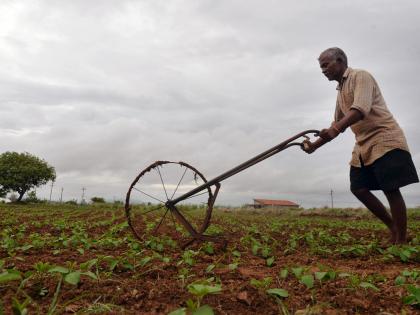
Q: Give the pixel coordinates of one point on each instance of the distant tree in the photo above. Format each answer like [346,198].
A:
[21,172]
[97,200]
[31,197]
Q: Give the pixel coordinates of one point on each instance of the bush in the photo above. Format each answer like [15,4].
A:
[31,197]
[97,200]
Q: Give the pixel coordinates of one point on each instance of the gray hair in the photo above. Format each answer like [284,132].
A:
[337,54]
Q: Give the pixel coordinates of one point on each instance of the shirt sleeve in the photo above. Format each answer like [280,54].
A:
[338,115]
[363,92]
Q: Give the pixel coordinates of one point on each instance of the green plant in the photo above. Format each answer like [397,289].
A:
[413,298]
[404,253]
[307,280]
[70,275]
[281,293]
[270,261]
[188,257]
[20,308]
[284,273]
[262,284]
[200,289]
[208,248]
[183,275]
[10,275]
[323,276]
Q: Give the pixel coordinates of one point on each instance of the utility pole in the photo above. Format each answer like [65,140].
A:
[52,185]
[332,199]
[83,196]
[61,195]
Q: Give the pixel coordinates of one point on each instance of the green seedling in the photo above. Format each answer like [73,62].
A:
[20,308]
[322,276]
[42,267]
[368,285]
[10,275]
[210,268]
[307,280]
[200,290]
[413,274]
[70,276]
[297,272]
[183,275]
[262,284]
[233,266]
[284,273]
[202,310]
[281,293]
[404,253]
[188,257]
[208,248]
[414,296]
[400,280]
[236,253]
[270,261]
[352,251]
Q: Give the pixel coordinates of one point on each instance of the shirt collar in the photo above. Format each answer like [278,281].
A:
[345,75]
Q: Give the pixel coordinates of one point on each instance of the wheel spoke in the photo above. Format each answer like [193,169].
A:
[163,181]
[163,184]
[161,220]
[179,183]
[148,195]
[173,220]
[160,207]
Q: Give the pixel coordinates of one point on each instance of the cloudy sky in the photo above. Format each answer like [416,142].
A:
[101,89]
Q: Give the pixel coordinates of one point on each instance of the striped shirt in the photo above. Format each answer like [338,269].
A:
[378,132]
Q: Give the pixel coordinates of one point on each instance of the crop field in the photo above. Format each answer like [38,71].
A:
[68,259]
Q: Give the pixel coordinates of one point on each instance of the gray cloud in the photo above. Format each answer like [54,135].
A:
[101,89]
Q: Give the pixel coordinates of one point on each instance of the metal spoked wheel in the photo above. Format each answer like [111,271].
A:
[147,199]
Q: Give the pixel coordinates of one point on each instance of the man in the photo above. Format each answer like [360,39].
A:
[380,158]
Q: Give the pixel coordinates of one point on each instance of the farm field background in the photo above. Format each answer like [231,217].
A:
[68,259]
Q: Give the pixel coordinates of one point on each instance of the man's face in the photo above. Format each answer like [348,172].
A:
[331,68]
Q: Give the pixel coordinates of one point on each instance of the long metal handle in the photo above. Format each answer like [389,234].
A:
[260,157]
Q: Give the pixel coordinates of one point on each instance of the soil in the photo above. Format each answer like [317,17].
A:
[156,287]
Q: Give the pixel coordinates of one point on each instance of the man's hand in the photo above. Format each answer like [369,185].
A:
[308,146]
[329,133]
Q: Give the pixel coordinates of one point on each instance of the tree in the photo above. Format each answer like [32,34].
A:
[21,172]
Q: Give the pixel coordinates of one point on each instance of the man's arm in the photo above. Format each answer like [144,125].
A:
[326,135]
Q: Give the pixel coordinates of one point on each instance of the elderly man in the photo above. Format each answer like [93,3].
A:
[380,158]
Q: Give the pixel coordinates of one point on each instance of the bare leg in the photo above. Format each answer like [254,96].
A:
[399,214]
[377,208]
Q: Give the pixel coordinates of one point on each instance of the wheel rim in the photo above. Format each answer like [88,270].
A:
[162,181]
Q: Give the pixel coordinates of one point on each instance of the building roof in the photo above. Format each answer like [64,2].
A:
[268,202]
